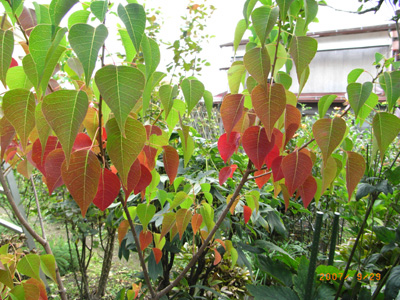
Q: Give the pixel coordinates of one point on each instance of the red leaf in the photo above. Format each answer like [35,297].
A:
[122,230]
[278,137]
[231,111]
[171,162]
[274,153]
[82,141]
[355,168]
[39,285]
[14,63]
[296,167]
[133,178]
[82,177]
[144,181]
[39,157]
[307,190]
[197,219]
[109,186]
[52,166]
[145,238]
[225,173]
[260,181]
[269,104]
[157,254]
[257,145]
[152,129]
[150,153]
[292,121]
[246,213]
[277,169]
[227,147]
[7,133]
[217,258]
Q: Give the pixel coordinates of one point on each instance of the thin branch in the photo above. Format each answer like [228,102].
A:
[258,176]
[38,208]
[276,50]
[372,9]
[209,237]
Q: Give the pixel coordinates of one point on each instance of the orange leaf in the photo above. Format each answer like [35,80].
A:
[197,219]
[217,258]
[355,168]
[292,121]
[108,190]
[260,181]
[171,162]
[296,167]
[246,213]
[52,168]
[32,291]
[122,230]
[221,242]
[82,177]
[269,104]
[145,239]
[7,133]
[39,284]
[133,178]
[307,190]
[231,111]
[157,254]
[183,217]
[257,145]
[167,223]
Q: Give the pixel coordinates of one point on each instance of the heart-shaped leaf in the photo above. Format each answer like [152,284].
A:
[225,173]
[167,94]
[197,220]
[99,9]
[183,217]
[65,111]
[82,177]
[6,50]
[247,211]
[257,63]
[358,94]
[121,88]
[386,128]
[145,212]
[171,162]
[7,133]
[355,168]
[144,181]
[269,104]
[193,91]
[307,190]
[86,42]
[264,19]
[19,109]
[59,8]
[303,50]
[108,189]
[133,178]
[227,148]
[29,265]
[157,254]
[296,168]
[392,88]
[231,111]
[123,151]
[134,18]
[52,166]
[48,265]
[263,179]
[168,222]
[257,145]
[284,7]
[329,134]
[145,238]
[292,121]
[324,103]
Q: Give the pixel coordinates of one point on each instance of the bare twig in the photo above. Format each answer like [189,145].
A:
[38,208]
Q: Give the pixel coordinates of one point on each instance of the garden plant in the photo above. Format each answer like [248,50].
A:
[204,219]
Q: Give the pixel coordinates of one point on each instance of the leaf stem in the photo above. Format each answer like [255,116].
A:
[38,208]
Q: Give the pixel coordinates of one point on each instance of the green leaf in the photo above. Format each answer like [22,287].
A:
[42,13]
[134,18]
[5,277]
[151,53]
[179,198]
[99,9]
[6,51]
[264,19]
[208,101]
[353,75]
[366,109]
[284,7]
[384,234]
[65,111]
[392,88]
[239,32]
[80,16]
[59,8]
[123,151]
[86,41]
[48,265]
[257,63]
[207,212]
[193,91]
[358,94]
[393,284]
[276,269]
[248,8]
[29,265]
[130,51]
[187,144]
[19,109]
[386,128]
[303,50]
[31,72]
[121,87]
[178,108]
[324,103]
[151,83]
[17,79]
[262,292]
[281,57]
[235,75]
[145,213]
[311,8]
[15,5]
[167,94]
[43,128]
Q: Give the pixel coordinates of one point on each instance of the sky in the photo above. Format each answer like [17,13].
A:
[222,25]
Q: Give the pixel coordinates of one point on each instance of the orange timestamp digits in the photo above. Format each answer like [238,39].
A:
[360,276]
[370,276]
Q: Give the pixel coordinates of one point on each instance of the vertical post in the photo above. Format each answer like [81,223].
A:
[313,258]
[334,237]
